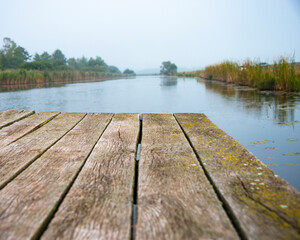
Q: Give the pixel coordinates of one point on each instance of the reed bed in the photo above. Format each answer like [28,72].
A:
[22,76]
[284,74]
[190,74]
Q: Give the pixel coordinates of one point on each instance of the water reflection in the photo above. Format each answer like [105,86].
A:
[21,87]
[166,82]
[278,106]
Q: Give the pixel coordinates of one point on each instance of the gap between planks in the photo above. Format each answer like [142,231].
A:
[20,129]
[9,155]
[9,117]
[106,182]
[23,216]
[225,204]
[136,179]
[263,205]
[173,192]
[47,221]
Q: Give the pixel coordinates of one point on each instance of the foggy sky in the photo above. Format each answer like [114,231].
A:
[140,34]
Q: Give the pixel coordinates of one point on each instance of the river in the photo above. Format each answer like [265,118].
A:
[266,123]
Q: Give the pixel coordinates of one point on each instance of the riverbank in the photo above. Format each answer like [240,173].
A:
[36,77]
[283,75]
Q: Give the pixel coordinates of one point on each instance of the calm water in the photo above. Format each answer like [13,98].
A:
[265,123]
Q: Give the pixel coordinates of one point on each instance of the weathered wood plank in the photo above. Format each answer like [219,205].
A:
[15,157]
[19,129]
[29,201]
[264,205]
[99,203]
[11,116]
[175,199]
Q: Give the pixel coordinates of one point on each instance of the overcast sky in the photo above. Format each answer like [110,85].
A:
[140,34]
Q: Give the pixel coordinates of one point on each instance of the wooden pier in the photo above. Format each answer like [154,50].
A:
[126,176]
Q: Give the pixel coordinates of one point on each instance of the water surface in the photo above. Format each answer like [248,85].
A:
[266,123]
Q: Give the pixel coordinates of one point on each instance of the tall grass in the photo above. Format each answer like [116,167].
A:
[22,76]
[190,74]
[282,75]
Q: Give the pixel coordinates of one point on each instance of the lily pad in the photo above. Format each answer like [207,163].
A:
[291,164]
[291,107]
[291,154]
[292,139]
[261,142]
[270,148]
[272,165]
[285,123]
[287,108]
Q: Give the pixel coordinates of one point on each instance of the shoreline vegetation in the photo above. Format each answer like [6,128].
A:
[17,68]
[283,75]
[32,77]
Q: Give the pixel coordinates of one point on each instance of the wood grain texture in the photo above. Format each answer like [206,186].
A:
[27,202]
[99,203]
[19,129]
[17,156]
[264,205]
[11,116]
[175,199]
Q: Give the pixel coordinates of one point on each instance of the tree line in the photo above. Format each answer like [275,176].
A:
[13,56]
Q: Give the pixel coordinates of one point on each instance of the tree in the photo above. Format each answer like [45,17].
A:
[73,63]
[58,58]
[92,62]
[82,62]
[40,62]
[168,68]
[22,54]
[99,61]
[36,57]
[37,65]
[12,55]
[96,62]
[45,57]
[128,71]
[113,69]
